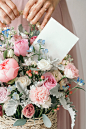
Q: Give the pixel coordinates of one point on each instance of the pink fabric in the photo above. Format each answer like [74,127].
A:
[61,14]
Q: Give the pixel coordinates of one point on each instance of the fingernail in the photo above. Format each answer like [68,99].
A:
[23,16]
[42,27]
[27,19]
[31,22]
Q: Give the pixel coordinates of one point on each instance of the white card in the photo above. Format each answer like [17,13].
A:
[58,40]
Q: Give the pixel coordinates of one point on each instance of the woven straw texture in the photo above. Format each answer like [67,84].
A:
[7,123]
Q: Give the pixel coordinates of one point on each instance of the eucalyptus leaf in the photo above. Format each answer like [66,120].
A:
[46,121]
[68,107]
[54,91]
[11,107]
[22,89]
[21,29]
[11,82]
[20,122]
[35,69]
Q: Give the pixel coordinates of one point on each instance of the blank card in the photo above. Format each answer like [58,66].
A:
[58,40]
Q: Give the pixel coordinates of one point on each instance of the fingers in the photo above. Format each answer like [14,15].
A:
[47,16]
[5,17]
[2,25]
[38,13]
[35,10]
[8,11]
[28,7]
[13,7]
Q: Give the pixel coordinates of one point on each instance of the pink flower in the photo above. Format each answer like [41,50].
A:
[33,39]
[39,95]
[28,111]
[71,71]
[4,94]
[8,70]
[50,82]
[1,112]
[21,47]
[17,37]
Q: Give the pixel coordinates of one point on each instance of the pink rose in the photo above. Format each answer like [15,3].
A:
[1,112]
[8,70]
[21,47]
[50,82]
[71,71]
[39,95]
[33,39]
[28,111]
[4,94]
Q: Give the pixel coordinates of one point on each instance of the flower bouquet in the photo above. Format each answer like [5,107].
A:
[32,86]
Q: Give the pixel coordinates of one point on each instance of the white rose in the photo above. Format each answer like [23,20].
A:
[44,65]
[10,53]
[25,81]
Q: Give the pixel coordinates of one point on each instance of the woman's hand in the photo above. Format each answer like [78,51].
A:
[35,9]
[8,11]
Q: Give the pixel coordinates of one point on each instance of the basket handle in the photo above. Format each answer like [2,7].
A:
[37,24]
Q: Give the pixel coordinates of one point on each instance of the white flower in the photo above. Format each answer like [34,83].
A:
[25,81]
[11,88]
[47,104]
[34,63]
[10,53]
[15,96]
[27,62]
[44,65]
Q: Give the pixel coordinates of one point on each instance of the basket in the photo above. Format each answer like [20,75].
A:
[7,122]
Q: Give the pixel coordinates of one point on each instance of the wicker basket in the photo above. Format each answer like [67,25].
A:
[7,123]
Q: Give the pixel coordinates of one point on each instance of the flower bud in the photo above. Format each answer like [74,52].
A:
[10,53]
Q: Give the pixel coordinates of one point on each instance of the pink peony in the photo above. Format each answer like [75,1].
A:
[33,39]
[3,94]
[71,71]
[28,111]
[50,82]
[21,47]
[8,70]
[1,112]
[39,95]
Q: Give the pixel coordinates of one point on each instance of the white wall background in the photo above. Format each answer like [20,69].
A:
[77,9]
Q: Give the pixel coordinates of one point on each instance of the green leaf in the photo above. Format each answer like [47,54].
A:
[5,54]
[11,82]
[20,122]
[46,121]
[80,88]
[35,69]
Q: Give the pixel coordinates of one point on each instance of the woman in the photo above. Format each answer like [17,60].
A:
[33,11]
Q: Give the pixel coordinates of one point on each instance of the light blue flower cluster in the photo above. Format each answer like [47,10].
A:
[80,81]
[40,41]
[6,32]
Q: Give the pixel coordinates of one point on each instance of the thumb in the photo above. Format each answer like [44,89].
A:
[2,24]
